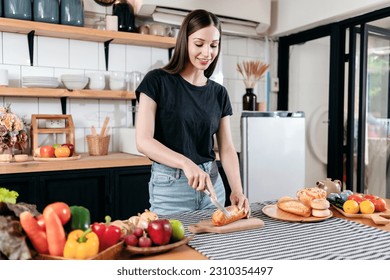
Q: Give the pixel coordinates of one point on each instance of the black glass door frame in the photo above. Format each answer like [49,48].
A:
[338,57]
[365,30]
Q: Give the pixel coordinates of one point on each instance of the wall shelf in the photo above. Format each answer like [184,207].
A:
[63,92]
[84,33]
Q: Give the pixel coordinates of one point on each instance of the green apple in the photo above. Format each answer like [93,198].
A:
[177,230]
[55,146]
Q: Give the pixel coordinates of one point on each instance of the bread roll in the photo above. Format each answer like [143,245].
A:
[306,195]
[320,204]
[294,206]
[320,213]
[219,218]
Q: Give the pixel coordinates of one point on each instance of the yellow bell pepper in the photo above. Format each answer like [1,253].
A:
[81,245]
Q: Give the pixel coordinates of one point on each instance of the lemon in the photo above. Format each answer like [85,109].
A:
[351,207]
[367,207]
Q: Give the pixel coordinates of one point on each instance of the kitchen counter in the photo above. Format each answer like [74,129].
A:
[188,253]
[85,162]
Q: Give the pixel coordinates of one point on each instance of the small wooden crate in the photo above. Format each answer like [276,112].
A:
[68,130]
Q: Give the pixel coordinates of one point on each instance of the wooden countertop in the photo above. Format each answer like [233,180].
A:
[85,162]
[187,253]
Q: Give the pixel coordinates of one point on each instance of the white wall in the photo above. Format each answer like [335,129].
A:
[308,92]
[292,16]
[54,57]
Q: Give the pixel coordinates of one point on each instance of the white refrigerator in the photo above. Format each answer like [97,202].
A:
[272,155]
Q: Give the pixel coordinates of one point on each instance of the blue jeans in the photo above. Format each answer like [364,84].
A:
[169,191]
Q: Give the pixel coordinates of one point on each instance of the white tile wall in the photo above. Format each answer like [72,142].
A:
[54,57]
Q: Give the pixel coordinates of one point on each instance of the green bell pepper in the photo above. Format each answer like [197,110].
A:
[81,218]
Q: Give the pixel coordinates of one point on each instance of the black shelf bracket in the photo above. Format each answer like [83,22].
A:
[106,51]
[133,106]
[63,105]
[170,52]
[30,39]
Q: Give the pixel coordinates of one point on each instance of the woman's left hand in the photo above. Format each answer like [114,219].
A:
[239,199]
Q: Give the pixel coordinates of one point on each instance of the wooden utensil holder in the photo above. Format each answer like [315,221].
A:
[68,130]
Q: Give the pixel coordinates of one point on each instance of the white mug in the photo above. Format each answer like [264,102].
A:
[3,77]
[112,23]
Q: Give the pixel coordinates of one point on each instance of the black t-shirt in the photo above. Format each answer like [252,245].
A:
[187,116]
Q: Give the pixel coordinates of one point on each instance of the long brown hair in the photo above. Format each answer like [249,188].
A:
[194,21]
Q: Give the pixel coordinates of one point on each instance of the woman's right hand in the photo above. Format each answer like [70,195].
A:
[198,179]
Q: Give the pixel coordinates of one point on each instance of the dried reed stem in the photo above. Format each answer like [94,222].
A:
[252,71]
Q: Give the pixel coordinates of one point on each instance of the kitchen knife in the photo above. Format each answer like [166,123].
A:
[216,203]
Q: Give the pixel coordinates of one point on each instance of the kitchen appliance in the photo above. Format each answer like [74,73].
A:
[251,19]
[272,156]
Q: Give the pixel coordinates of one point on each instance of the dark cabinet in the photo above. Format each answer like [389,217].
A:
[118,192]
[130,194]
[25,184]
[88,188]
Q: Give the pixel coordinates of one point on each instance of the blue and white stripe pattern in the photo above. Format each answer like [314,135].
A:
[331,239]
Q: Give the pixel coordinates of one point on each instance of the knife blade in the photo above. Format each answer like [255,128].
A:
[216,203]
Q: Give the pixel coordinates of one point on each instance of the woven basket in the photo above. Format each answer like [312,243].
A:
[98,146]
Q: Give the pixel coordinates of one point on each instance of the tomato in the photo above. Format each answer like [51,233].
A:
[370,196]
[379,203]
[62,210]
[357,197]
[62,151]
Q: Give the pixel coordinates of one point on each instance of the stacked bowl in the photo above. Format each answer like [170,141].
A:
[74,82]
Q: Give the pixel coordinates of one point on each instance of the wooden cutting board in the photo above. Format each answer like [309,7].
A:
[243,224]
[379,218]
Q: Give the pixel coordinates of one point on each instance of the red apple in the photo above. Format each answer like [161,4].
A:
[46,151]
[160,231]
[71,148]
[131,240]
[144,242]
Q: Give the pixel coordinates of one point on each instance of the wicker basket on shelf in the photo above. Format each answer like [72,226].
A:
[98,145]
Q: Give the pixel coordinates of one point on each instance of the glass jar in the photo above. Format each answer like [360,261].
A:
[46,11]
[17,9]
[249,100]
[125,12]
[72,12]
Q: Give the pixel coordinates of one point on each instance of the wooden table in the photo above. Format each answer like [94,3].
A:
[187,253]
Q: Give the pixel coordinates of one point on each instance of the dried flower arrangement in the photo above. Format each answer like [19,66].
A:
[12,130]
[252,71]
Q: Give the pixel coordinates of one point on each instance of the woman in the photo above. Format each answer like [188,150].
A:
[179,112]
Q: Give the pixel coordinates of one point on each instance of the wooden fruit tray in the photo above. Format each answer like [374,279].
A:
[379,218]
[109,254]
[57,159]
[132,250]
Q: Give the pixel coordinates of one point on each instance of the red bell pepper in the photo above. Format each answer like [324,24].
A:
[108,234]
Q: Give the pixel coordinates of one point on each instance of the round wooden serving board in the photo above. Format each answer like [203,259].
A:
[274,212]
[58,159]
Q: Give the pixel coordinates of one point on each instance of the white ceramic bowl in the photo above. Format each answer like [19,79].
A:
[97,81]
[20,158]
[74,82]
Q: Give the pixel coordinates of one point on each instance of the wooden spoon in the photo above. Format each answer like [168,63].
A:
[103,131]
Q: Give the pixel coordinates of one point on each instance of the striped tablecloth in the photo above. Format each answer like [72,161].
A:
[332,239]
